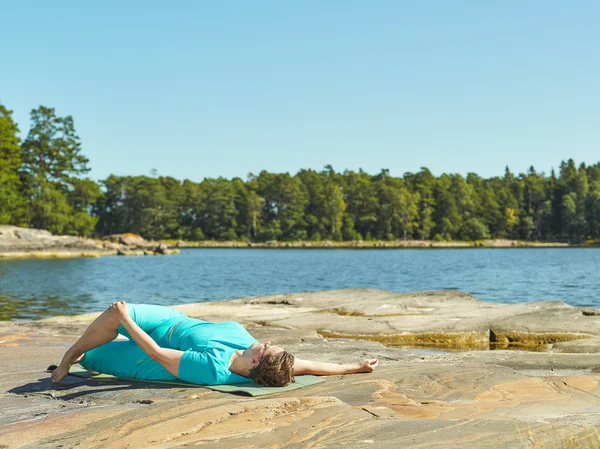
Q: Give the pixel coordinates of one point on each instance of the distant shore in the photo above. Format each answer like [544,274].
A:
[19,243]
[498,243]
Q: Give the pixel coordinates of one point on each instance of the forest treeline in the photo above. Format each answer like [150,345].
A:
[43,184]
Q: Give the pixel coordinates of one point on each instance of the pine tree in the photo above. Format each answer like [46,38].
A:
[51,172]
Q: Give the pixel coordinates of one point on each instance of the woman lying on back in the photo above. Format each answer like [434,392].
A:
[165,344]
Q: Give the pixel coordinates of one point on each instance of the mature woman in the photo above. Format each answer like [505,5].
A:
[165,344]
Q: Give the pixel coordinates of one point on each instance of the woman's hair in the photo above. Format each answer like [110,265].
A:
[274,370]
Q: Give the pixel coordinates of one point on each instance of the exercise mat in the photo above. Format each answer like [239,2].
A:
[248,388]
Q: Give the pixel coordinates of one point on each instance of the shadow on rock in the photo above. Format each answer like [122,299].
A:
[46,387]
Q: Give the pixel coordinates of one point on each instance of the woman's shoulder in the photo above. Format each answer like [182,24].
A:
[208,367]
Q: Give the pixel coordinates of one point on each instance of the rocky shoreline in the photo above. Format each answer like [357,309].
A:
[18,242]
[457,394]
[367,244]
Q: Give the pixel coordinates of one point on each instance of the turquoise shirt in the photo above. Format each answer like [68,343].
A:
[208,348]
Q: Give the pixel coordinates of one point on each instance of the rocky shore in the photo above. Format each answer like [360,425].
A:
[494,243]
[458,393]
[18,242]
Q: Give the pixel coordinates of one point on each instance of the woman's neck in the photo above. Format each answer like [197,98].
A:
[238,364]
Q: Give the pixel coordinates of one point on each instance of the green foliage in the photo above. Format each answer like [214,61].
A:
[446,213]
[362,204]
[333,209]
[423,185]
[218,214]
[348,231]
[285,199]
[473,229]
[52,150]
[50,209]
[398,209]
[55,196]
[526,228]
[143,205]
[43,184]
[11,201]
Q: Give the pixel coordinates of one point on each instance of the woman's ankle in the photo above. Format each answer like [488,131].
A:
[71,357]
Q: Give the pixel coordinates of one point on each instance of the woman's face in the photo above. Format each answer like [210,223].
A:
[257,351]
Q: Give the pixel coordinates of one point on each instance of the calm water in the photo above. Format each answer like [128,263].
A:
[41,288]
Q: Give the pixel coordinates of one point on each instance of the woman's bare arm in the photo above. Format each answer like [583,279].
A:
[328,369]
[168,358]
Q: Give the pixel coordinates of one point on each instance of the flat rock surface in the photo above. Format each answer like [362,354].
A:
[16,242]
[417,398]
[23,240]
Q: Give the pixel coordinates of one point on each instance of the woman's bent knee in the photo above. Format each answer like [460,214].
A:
[109,320]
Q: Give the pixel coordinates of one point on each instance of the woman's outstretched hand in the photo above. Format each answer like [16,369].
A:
[119,310]
[368,366]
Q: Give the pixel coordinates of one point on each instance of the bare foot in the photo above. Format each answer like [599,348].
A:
[62,370]
[60,373]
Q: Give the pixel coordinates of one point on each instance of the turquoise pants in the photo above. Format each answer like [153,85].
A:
[125,358]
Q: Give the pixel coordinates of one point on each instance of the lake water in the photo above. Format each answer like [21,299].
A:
[41,288]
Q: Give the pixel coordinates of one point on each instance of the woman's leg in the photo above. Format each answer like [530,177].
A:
[124,359]
[156,321]
[101,331]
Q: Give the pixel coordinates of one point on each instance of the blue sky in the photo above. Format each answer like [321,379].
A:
[199,89]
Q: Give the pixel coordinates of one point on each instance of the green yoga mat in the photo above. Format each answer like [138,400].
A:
[248,388]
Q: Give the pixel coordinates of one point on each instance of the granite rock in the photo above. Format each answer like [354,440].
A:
[417,398]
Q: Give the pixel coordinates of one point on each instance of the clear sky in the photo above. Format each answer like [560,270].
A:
[200,89]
